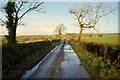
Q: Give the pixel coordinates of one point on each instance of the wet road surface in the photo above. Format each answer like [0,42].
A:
[61,63]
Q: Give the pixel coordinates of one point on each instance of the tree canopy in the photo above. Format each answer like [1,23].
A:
[89,14]
[60,29]
[14,12]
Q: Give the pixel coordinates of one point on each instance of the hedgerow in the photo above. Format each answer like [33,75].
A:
[110,52]
[14,56]
[98,66]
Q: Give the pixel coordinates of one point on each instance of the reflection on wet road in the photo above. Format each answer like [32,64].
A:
[61,63]
[71,64]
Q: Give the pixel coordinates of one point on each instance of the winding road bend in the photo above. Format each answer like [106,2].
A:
[61,63]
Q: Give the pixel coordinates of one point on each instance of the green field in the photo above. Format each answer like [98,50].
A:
[110,40]
[27,39]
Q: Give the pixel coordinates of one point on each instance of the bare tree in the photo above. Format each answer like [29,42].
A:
[60,29]
[14,12]
[89,14]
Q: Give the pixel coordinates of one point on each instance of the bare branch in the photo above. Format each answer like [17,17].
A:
[88,15]
[21,23]
[75,18]
[34,7]
[75,14]
[19,8]
[2,21]
[60,29]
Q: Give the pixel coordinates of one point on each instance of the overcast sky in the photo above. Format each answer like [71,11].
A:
[57,13]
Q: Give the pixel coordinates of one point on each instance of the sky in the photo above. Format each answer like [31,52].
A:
[57,13]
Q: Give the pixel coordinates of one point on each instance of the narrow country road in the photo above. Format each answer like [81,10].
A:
[61,63]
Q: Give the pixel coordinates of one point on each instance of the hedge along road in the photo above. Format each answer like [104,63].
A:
[61,63]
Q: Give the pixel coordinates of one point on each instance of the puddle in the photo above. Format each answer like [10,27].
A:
[71,64]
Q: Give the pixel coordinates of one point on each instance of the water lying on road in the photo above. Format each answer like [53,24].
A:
[71,64]
[62,63]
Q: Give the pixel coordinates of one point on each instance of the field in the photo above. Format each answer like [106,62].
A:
[28,38]
[110,39]
[107,39]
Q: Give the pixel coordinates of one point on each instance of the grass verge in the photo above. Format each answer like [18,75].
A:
[98,67]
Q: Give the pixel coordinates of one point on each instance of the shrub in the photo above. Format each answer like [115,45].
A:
[90,35]
[12,55]
[100,35]
[105,51]
[98,67]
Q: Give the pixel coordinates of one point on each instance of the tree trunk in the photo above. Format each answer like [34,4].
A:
[79,38]
[11,22]
[81,29]
[12,36]
[12,32]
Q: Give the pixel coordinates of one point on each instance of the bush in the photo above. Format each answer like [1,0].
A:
[98,67]
[56,40]
[90,35]
[12,55]
[100,35]
[105,51]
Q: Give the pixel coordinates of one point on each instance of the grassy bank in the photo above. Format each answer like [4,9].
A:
[110,40]
[21,57]
[98,67]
